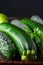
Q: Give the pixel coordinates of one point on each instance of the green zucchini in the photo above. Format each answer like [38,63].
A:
[27,29]
[22,26]
[33,25]
[7,48]
[19,39]
[37,31]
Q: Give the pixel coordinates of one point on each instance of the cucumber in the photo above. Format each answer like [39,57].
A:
[19,39]
[7,48]
[37,31]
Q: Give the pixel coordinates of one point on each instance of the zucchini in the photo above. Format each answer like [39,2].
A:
[37,31]
[28,30]
[7,48]
[22,26]
[33,25]
[18,38]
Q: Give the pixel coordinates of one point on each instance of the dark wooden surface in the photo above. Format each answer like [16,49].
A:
[19,63]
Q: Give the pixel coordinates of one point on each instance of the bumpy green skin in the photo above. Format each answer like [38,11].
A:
[7,48]
[17,37]
[37,31]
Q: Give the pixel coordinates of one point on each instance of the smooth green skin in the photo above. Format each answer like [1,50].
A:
[19,24]
[22,26]
[27,29]
[17,37]
[37,30]
[32,24]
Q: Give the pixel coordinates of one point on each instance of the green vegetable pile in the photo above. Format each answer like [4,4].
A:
[21,39]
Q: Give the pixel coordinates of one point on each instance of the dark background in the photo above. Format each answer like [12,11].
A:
[23,8]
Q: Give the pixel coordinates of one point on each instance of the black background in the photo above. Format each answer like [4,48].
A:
[23,8]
